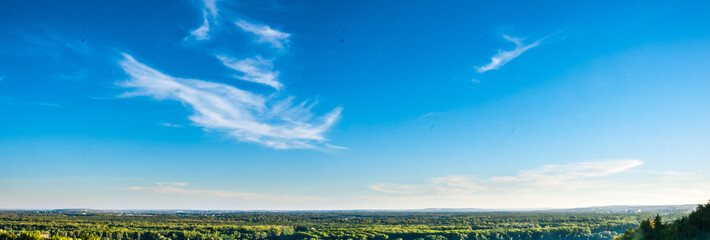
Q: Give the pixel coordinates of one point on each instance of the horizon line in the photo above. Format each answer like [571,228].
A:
[352,209]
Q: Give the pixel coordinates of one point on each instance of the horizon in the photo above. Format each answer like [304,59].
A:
[359,210]
[291,105]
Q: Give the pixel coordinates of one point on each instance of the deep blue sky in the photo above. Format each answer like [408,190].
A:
[351,105]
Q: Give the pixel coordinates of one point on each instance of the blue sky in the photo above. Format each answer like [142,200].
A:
[353,105]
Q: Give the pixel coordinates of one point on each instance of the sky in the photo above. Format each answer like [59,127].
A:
[326,105]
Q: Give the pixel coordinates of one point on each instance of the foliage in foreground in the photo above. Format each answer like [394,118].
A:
[695,226]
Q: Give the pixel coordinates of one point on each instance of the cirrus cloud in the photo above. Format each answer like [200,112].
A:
[568,176]
[256,70]
[503,57]
[264,33]
[209,16]
[244,115]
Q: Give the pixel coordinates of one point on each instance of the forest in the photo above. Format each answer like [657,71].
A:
[695,226]
[332,225]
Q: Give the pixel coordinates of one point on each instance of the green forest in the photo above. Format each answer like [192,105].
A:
[353,225]
[695,226]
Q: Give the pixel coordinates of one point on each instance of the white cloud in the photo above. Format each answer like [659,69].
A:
[209,15]
[504,57]
[562,174]
[265,33]
[395,189]
[439,186]
[257,70]
[177,188]
[243,115]
[558,176]
[455,184]
[172,125]
[202,33]
[211,8]
[578,184]
[174,184]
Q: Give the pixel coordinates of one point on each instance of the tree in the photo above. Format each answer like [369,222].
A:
[34,235]
[658,224]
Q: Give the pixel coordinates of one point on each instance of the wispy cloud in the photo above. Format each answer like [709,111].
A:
[178,189]
[611,182]
[570,176]
[209,16]
[257,70]
[504,57]
[455,184]
[243,115]
[174,184]
[396,189]
[436,186]
[265,34]
[172,125]
[566,174]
